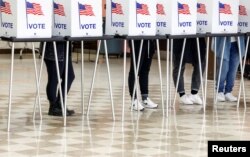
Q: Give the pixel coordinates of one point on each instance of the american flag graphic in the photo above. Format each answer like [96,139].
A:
[33,8]
[116,8]
[142,9]
[183,9]
[5,7]
[160,9]
[85,9]
[201,8]
[242,10]
[59,9]
[224,8]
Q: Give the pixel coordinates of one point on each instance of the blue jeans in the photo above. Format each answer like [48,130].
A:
[229,70]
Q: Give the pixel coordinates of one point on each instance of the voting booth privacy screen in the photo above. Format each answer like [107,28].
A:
[244,18]
[181,16]
[130,17]
[217,16]
[161,17]
[77,18]
[26,18]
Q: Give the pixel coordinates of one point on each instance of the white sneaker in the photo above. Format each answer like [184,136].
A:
[230,97]
[195,98]
[185,100]
[149,103]
[137,106]
[221,97]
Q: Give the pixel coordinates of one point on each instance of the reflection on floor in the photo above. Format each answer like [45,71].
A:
[184,133]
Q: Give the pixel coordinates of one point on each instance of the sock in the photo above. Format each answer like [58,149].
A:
[181,94]
[144,97]
[194,92]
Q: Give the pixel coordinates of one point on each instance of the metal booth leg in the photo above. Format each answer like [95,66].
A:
[221,61]
[10,84]
[167,77]
[242,67]
[93,78]
[215,69]
[124,77]
[206,73]
[170,72]
[58,77]
[247,45]
[179,72]
[160,74]
[39,82]
[136,71]
[66,83]
[110,85]
[201,78]
[94,74]
[82,76]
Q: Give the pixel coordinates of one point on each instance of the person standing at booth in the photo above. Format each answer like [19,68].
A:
[230,64]
[148,50]
[190,56]
[52,84]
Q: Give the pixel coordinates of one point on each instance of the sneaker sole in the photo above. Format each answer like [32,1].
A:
[150,107]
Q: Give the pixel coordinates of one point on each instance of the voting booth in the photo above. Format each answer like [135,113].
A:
[217,16]
[26,18]
[244,18]
[179,18]
[130,17]
[77,18]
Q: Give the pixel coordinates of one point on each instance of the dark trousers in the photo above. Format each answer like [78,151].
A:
[51,88]
[148,51]
[190,56]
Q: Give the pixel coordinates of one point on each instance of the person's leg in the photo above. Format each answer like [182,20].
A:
[146,60]
[136,105]
[145,64]
[51,88]
[71,77]
[196,82]
[233,66]
[176,66]
[223,76]
[131,76]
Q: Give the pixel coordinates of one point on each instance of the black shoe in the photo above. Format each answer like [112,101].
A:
[55,111]
[58,105]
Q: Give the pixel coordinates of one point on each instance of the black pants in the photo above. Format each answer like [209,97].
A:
[190,56]
[51,88]
[148,51]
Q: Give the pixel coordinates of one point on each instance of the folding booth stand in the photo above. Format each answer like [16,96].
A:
[218,18]
[185,37]
[136,68]
[14,40]
[26,21]
[82,39]
[237,36]
[80,20]
[130,20]
[242,71]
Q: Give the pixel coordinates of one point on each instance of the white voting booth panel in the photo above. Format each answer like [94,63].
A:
[26,18]
[181,17]
[244,18]
[217,16]
[77,18]
[161,17]
[130,17]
